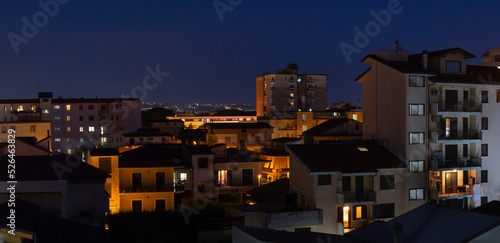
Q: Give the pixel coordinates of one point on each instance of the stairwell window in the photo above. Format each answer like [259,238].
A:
[416,137]
[417,166]
[417,194]
[416,81]
[416,109]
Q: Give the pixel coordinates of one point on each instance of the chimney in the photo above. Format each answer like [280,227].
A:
[397,232]
[424,59]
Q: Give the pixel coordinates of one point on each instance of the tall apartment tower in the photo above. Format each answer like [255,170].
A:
[438,115]
[492,57]
[288,91]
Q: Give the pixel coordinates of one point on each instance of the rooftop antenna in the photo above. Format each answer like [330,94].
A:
[396,41]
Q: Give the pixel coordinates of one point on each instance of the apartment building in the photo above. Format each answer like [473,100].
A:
[249,136]
[71,123]
[142,179]
[92,122]
[28,117]
[288,91]
[436,113]
[491,57]
[353,182]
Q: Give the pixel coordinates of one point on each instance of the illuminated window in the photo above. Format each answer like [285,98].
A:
[20,108]
[103,140]
[359,212]
[56,107]
[304,117]
[81,129]
[69,151]
[417,194]
[346,216]
[304,128]
[416,137]
[58,150]
[68,140]
[417,166]
[32,128]
[57,128]
[57,139]
[57,118]
[183,176]
[68,129]
[222,178]
[68,118]
[45,111]
[91,129]
[416,110]
[5,108]
[68,107]
[81,140]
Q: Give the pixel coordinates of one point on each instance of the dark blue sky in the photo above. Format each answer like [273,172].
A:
[101,48]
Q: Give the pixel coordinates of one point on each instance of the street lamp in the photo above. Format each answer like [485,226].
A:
[259,178]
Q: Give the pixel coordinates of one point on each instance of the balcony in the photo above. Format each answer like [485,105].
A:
[456,108]
[456,136]
[455,191]
[464,163]
[146,189]
[358,197]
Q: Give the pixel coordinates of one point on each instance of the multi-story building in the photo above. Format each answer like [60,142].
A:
[288,91]
[249,136]
[433,111]
[492,57]
[92,122]
[353,182]
[28,117]
[71,123]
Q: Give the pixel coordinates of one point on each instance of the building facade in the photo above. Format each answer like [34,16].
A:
[288,91]
[435,112]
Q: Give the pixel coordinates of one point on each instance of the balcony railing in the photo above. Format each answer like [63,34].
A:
[459,135]
[457,163]
[459,107]
[146,189]
[449,191]
[365,196]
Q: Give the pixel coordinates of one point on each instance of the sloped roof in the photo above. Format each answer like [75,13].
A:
[104,152]
[49,229]
[476,75]
[491,208]
[401,66]
[152,152]
[443,52]
[240,125]
[199,149]
[234,113]
[346,157]
[46,168]
[279,236]
[273,192]
[327,125]
[430,223]
[240,156]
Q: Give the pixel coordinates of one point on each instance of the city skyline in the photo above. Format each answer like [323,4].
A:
[75,48]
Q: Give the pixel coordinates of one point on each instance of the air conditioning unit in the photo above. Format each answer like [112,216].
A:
[436,92]
[435,118]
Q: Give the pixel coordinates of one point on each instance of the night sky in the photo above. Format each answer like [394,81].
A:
[101,48]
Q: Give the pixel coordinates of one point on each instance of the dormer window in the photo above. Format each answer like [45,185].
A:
[453,66]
